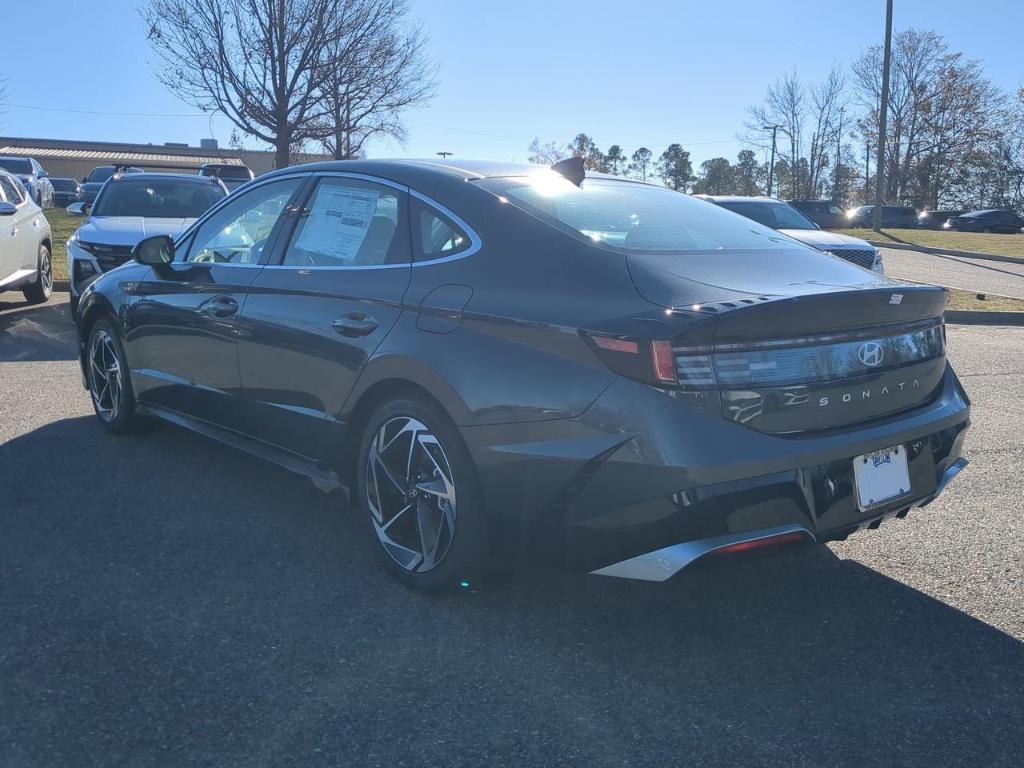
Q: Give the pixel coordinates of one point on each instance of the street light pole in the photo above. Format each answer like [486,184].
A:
[882,115]
[444,155]
[771,166]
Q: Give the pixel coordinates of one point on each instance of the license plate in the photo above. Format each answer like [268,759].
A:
[881,476]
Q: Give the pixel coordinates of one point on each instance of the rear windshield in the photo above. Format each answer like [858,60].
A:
[774,215]
[152,198]
[15,164]
[227,171]
[638,218]
[63,185]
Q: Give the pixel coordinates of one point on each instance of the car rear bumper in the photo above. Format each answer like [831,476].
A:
[639,472]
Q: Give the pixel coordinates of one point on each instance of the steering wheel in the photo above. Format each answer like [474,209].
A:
[211,257]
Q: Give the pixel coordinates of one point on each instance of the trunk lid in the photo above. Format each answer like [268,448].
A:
[811,343]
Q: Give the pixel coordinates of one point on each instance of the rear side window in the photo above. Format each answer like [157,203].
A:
[436,235]
[12,190]
[350,223]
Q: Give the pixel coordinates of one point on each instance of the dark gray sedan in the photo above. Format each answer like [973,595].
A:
[501,361]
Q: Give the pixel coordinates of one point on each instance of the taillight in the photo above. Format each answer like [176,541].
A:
[647,360]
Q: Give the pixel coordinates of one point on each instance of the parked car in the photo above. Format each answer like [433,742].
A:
[25,243]
[65,192]
[233,175]
[893,216]
[991,220]
[633,377]
[824,213]
[92,183]
[789,221]
[935,219]
[32,176]
[130,208]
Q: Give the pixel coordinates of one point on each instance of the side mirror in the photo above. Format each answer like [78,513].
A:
[43,175]
[154,251]
[78,209]
[8,209]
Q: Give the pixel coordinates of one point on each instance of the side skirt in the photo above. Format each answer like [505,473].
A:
[324,479]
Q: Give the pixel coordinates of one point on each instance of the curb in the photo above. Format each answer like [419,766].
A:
[984,317]
[946,252]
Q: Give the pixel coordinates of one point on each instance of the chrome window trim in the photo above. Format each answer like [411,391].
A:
[476,243]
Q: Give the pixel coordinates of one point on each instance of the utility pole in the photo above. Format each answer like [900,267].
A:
[867,171]
[882,115]
[771,166]
[839,152]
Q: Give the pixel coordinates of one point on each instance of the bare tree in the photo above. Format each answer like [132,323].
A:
[548,153]
[375,68]
[785,105]
[260,62]
[826,99]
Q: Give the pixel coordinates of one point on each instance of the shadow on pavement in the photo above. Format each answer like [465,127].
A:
[166,601]
[36,332]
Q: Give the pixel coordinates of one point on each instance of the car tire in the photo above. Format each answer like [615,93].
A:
[427,522]
[109,383]
[39,291]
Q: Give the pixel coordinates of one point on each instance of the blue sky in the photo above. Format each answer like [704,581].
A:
[630,73]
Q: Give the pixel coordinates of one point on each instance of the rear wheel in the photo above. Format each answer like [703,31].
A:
[39,291]
[110,386]
[417,487]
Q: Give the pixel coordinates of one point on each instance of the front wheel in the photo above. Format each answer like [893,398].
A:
[110,386]
[417,487]
[39,291]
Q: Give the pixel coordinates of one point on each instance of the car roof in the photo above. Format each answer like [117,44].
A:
[186,178]
[403,169]
[742,199]
[15,157]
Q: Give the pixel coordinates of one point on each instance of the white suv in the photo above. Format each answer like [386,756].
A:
[25,243]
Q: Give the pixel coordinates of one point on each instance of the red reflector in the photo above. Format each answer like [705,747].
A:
[771,541]
[616,345]
[663,360]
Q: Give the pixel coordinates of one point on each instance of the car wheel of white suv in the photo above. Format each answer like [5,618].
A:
[39,291]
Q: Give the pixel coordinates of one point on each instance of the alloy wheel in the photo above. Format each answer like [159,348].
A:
[106,383]
[410,493]
[46,272]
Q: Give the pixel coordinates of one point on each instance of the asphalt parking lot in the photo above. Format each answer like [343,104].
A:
[995,277]
[167,602]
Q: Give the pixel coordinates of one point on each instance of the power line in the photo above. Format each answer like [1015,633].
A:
[107,114]
[414,122]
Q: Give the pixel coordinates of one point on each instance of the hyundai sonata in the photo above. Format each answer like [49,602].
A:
[483,353]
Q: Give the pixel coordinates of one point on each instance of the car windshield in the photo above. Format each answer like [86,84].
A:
[638,218]
[101,173]
[16,164]
[157,198]
[63,185]
[774,215]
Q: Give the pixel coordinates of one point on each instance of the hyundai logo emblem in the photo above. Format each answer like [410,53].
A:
[871,353]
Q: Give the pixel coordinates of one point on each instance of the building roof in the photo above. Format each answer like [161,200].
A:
[110,153]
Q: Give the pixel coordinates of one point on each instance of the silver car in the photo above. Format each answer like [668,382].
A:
[788,220]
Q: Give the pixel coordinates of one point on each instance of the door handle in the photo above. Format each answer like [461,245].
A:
[355,324]
[220,306]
